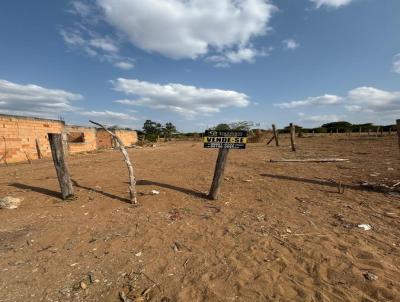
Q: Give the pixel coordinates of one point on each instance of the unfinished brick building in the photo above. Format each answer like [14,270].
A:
[25,138]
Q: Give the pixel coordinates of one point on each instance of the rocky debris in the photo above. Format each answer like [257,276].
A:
[92,278]
[341,221]
[379,187]
[365,226]
[154,192]
[10,203]
[370,276]
[83,285]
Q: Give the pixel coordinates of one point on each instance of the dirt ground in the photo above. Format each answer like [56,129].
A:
[279,232]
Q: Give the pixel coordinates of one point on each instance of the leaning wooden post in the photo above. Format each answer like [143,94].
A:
[60,163]
[398,131]
[218,173]
[275,135]
[121,146]
[292,135]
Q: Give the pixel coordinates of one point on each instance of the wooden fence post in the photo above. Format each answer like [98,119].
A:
[398,131]
[218,173]
[360,129]
[60,163]
[390,130]
[275,135]
[292,135]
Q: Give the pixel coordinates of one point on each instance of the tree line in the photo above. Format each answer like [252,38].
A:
[152,131]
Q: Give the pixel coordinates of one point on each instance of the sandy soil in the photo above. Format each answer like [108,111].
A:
[279,232]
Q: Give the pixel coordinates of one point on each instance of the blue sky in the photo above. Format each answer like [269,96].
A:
[197,63]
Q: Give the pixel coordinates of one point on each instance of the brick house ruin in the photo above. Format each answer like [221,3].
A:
[25,138]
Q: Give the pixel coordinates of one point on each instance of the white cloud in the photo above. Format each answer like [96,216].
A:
[110,115]
[80,8]
[105,49]
[331,3]
[396,63]
[32,99]
[106,45]
[365,103]
[290,44]
[326,99]
[322,118]
[366,99]
[125,65]
[233,57]
[188,101]
[371,99]
[182,29]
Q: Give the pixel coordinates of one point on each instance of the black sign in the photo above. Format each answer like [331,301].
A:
[225,139]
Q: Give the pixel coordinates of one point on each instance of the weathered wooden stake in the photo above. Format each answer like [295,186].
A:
[218,173]
[292,135]
[60,163]
[390,131]
[275,135]
[398,131]
[360,129]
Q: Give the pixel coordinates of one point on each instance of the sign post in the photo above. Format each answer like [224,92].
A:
[224,141]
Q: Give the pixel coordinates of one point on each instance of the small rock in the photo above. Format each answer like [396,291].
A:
[92,278]
[83,285]
[365,226]
[154,192]
[10,203]
[138,254]
[370,276]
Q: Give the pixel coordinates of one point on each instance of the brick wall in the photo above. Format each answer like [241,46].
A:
[24,137]
[104,140]
[128,137]
[89,139]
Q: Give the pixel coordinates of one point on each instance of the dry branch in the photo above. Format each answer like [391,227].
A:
[321,160]
[272,138]
[120,144]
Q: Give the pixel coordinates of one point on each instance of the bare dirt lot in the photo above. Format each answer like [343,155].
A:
[279,232]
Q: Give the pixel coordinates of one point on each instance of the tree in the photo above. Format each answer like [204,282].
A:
[237,126]
[341,126]
[222,127]
[168,130]
[152,130]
